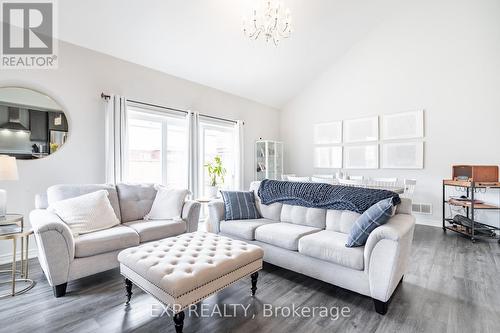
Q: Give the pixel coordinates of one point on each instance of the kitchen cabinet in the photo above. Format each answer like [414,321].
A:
[58,121]
[38,126]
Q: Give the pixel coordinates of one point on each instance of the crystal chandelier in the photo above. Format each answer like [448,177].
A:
[271,21]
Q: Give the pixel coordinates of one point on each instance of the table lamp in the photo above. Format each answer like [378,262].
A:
[8,171]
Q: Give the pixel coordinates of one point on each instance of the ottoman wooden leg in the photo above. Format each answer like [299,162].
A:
[128,287]
[254,277]
[179,321]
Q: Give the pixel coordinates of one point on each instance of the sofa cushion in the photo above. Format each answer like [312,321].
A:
[167,204]
[157,229]
[136,200]
[272,211]
[239,205]
[116,238]
[67,191]
[243,228]
[340,220]
[330,246]
[313,217]
[86,213]
[404,207]
[285,235]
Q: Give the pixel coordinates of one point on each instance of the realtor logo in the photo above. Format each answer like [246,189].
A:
[28,34]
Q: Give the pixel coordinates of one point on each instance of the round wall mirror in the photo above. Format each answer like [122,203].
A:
[32,125]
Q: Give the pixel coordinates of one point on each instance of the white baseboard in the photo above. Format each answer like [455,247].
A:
[430,221]
[7,258]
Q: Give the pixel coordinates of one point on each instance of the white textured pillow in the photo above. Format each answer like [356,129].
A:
[167,204]
[86,213]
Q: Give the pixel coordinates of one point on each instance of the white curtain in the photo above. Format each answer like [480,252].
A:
[193,152]
[116,139]
[239,165]
[117,146]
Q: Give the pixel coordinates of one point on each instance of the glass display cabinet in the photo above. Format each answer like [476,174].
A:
[268,159]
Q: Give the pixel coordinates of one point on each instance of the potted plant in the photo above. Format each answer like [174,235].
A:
[216,173]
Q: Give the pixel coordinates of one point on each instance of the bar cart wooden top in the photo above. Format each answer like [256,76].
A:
[468,204]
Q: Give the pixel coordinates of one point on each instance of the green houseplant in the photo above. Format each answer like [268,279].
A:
[216,173]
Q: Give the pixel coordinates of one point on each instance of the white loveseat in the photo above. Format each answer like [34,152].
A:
[64,257]
[311,241]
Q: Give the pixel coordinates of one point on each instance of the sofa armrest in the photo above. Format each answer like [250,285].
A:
[56,246]
[215,215]
[191,214]
[386,255]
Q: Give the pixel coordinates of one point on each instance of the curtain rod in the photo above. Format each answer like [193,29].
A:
[106,97]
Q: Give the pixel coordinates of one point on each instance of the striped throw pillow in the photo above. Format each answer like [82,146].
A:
[239,205]
[373,217]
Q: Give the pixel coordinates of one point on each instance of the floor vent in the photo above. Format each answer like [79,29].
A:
[422,208]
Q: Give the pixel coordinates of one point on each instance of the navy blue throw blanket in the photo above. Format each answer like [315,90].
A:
[318,195]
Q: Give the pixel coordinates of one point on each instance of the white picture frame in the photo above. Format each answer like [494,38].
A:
[328,157]
[361,130]
[403,155]
[361,157]
[328,133]
[404,125]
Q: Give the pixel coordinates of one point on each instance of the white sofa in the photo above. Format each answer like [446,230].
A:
[64,257]
[311,241]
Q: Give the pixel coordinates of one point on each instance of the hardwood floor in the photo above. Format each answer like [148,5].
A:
[451,285]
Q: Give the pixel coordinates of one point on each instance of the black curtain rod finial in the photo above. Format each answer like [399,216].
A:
[103,95]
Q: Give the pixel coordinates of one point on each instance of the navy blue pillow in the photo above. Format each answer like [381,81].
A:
[239,205]
[373,217]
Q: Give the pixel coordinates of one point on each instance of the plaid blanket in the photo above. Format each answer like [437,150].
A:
[318,195]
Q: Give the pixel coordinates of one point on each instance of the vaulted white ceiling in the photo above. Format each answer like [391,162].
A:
[202,40]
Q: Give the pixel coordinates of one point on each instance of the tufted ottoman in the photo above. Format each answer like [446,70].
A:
[183,270]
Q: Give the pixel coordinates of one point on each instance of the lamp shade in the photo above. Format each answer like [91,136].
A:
[8,168]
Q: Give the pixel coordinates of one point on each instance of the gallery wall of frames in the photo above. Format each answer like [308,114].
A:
[389,141]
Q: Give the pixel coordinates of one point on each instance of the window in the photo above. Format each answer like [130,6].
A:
[217,138]
[157,147]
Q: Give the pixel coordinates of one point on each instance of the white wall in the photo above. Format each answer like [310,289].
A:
[442,56]
[77,84]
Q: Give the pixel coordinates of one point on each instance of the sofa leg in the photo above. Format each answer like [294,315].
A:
[60,290]
[381,307]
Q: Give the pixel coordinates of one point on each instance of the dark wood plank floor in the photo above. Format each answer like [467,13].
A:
[452,285]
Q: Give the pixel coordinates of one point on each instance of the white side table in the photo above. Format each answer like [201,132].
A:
[204,204]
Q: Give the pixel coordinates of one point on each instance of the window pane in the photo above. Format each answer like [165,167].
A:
[157,148]
[217,141]
[176,154]
[145,143]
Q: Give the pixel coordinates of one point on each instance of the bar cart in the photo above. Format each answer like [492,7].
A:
[475,229]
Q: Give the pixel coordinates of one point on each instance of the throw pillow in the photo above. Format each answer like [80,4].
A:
[167,204]
[373,217]
[239,205]
[86,213]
